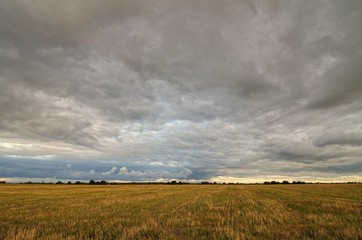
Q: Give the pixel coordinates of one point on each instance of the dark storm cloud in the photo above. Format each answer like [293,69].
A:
[191,89]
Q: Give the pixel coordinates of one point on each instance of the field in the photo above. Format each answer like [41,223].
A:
[181,211]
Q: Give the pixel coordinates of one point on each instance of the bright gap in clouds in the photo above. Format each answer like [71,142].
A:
[191,90]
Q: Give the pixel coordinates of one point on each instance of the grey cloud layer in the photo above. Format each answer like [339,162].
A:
[220,88]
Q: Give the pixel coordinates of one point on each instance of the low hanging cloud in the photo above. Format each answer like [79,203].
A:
[110,172]
[123,171]
[182,173]
[180,89]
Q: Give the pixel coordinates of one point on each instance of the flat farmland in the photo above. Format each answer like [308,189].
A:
[181,211]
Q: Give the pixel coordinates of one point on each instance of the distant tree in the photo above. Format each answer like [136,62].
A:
[285,182]
[266,182]
[204,182]
[92,182]
[69,182]
[173,182]
[103,182]
[59,182]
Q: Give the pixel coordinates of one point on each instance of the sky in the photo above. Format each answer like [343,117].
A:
[192,90]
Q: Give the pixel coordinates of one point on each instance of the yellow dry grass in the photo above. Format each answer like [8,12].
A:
[181,212]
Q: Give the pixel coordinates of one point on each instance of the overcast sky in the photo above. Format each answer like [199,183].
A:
[218,90]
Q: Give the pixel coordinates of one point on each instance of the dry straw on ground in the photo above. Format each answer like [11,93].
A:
[181,212]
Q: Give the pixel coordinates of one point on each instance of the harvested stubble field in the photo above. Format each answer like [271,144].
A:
[181,212]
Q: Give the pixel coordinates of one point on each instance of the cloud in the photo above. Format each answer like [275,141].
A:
[342,84]
[181,173]
[110,172]
[339,138]
[123,171]
[218,89]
